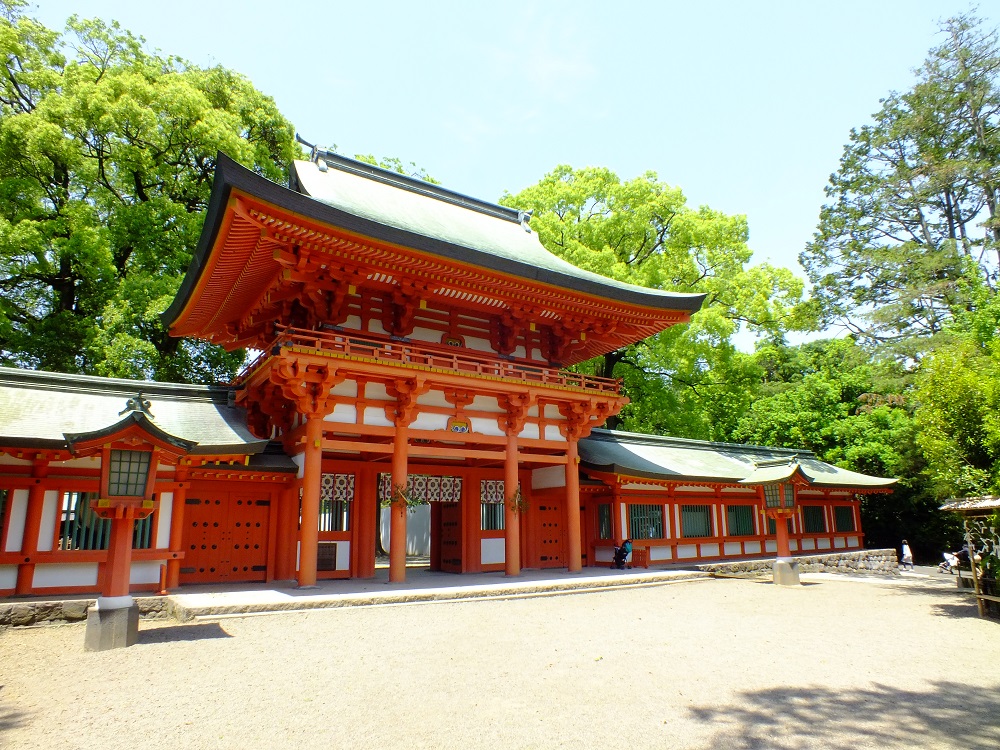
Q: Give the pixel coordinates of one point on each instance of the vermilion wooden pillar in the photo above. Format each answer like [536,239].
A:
[365,502]
[311,476]
[398,509]
[118,570]
[617,533]
[573,551]
[511,513]
[781,531]
[32,526]
[177,526]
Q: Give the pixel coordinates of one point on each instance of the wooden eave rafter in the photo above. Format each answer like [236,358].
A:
[264,255]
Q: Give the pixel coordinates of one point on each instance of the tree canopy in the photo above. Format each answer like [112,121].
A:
[913,207]
[107,154]
[643,232]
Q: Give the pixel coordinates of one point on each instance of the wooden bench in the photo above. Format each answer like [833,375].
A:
[640,557]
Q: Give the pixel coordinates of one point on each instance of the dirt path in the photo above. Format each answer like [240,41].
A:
[706,664]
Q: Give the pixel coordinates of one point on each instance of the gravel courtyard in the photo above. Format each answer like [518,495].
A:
[836,663]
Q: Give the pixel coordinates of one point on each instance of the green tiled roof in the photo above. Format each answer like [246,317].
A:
[492,233]
[39,409]
[630,454]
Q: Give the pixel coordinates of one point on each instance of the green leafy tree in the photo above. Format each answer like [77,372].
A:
[641,231]
[913,207]
[855,411]
[107,154]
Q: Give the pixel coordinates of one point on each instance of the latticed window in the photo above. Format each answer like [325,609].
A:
[813,519]
[336,492]
[430,489]
[843,518]
[645,521]
[129,471]
[604,521]
[739,520]
[772,529]
[80,528]
[696,520]
[492,516]
[491,497]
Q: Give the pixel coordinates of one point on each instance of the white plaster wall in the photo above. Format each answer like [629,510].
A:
[738,491]
[375,415]
[353,322]
[8,576]
[434,398]
[752,548]
[709,550]
[793,545]
[552,433]
[623,518]
[770,546]
[376,392]
[808,544]
[604,554]
[552,412]
[659,553]
[343,413]
[47,528]
[493,551]
[18,512]
[644,487]
[733,548]
[839,543]
[823,543]
[343,556]
[430,421]
[348,388]
[853,541]
[686,550]
[425,334]
[485,426]
[485,403]
[71,574]
[549,476]
[530,431]
[299,459]
[163,516]
[144,572]
[520,353]
[375,326]
[480,345]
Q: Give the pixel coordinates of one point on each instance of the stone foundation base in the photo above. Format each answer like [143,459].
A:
[786,572]
[109,628]
[866,561]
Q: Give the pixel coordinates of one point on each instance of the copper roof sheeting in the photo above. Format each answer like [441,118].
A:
[983,505]
[40,409]
[630,454]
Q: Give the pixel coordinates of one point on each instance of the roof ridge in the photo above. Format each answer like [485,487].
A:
[17,377]
[622,436]
[414,185]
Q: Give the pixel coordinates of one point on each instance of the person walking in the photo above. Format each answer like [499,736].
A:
[907,558]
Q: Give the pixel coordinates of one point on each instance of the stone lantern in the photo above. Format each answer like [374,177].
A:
[777,487]
[130,453]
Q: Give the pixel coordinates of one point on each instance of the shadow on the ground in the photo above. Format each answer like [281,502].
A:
[175,633]
[950,714]
[9,717]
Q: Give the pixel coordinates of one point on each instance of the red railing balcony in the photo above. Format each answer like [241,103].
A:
[387,351]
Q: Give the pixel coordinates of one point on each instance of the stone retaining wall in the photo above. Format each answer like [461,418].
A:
[20,614]
[866,561]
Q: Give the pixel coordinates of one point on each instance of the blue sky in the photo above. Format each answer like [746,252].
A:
[746,106]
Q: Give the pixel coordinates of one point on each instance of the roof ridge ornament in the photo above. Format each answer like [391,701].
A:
[523,217]
[769,463]
[137,404]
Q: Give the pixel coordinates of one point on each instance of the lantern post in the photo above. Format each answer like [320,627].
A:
[780,505]
[126,496]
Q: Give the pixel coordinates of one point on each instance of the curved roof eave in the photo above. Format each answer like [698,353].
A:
[230,175]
